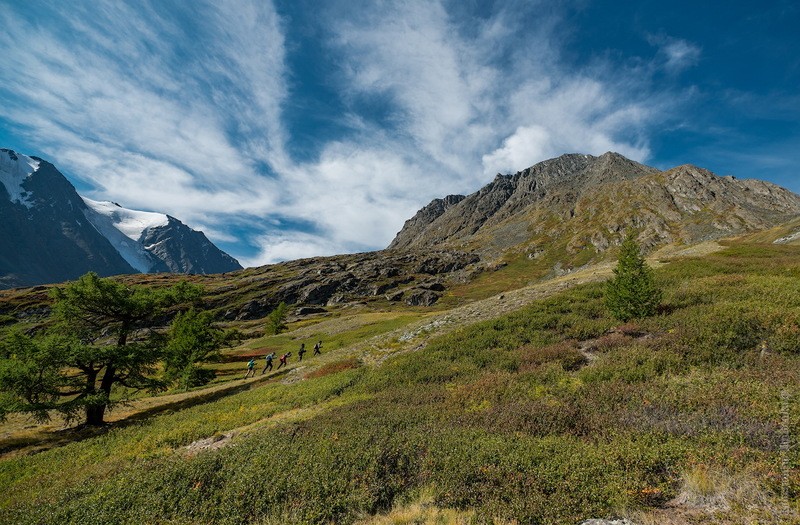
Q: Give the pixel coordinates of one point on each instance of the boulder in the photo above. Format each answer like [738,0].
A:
[421,297]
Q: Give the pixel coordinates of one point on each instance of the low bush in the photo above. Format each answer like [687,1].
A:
[565,353]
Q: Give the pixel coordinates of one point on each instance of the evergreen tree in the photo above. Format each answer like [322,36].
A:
[632,293]
[276,320]
[103,336]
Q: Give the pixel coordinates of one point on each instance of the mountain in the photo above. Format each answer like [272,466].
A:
[579,204]
[49,233]
[155,242]
[44,235]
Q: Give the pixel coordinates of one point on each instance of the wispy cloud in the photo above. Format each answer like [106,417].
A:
[116,95]
[181,108]
[675,54]
[497,97]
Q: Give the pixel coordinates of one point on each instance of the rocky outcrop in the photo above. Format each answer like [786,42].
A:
[417,278]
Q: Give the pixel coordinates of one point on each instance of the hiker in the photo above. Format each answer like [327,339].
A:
[317,348]
[268,364]
[283,359]
[251,367]
[302,350]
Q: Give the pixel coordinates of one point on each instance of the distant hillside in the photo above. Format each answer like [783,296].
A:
[579,205]
[49,233]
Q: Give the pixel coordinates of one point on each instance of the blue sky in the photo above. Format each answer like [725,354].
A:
[287,129]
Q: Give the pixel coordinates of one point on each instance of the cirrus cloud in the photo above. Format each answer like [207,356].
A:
[183,109]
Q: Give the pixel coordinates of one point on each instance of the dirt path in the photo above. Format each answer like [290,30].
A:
[20,435]
[415,336]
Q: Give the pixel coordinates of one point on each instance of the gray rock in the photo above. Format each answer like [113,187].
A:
[309,310]
[421,297]
[395,296]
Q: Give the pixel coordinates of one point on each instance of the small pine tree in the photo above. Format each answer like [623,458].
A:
[276,319]
[632,293]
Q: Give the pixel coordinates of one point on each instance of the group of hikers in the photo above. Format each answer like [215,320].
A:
[282,360]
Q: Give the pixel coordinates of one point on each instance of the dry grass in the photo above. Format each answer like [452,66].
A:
[714,495]
[424,512]
[333,368]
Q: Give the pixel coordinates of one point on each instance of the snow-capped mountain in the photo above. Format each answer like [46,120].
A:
[49,233]
[123,228]
[155,242]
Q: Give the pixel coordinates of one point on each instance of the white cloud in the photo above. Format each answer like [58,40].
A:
[524,147]
[463,110]
[277,247]
[141,130]
[681,55]
[159,116]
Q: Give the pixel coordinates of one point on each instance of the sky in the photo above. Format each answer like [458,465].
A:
[297,128]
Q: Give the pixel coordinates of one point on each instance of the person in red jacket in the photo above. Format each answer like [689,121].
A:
[283,359]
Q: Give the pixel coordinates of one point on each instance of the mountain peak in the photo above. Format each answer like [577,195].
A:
[56,235]
[582,203]
[132,223]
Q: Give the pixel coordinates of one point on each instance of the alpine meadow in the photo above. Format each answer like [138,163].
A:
[592,317]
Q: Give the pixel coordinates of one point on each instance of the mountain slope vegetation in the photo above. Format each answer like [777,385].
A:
[550,414]
[471,372]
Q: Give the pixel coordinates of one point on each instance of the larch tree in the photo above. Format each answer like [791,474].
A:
[104,335]
[633,292]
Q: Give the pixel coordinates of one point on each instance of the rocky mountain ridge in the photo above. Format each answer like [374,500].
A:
[415,278]
[544,221]
[577,201]
[409,277]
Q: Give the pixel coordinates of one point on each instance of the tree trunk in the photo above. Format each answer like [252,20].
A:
[95,413]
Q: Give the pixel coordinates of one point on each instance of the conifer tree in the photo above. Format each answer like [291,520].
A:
[103,336]
[632,293]
[276,319]
[193,339]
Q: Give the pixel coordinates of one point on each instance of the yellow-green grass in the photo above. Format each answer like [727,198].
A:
[500,420]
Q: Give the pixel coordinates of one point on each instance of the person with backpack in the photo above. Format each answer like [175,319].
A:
[317,348]
[268,364]
[251,367]
[283,360]
[301,351]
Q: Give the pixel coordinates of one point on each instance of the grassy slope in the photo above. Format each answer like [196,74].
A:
[538,416]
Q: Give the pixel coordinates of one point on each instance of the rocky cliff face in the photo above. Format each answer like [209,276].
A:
[181,249]
[578,202]
[416,226]
[416,278]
